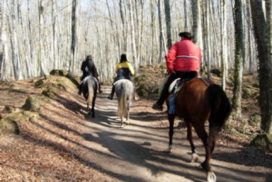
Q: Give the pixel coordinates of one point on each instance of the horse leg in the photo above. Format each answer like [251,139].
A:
[127,111]
[171,119]
[202,134]
[211,177]
[190,139]
[122,121]
[88,108]
[93,105]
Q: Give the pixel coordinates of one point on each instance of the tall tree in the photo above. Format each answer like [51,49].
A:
[168,22]
[223,32]
[41,37]
[74,35]
[161,40]
[197,22]
[263,32]
[238,69]
[1,37]
[124,26]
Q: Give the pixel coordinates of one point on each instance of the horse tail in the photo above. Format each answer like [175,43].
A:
[122,101]
[220,106]
[90,93]
[122,105]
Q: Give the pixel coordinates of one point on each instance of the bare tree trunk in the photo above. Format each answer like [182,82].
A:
[197,23]
[153,32]
[263,33]
[41,37]
[238,69]
[124,26]
[14,41]
[132,28]
[206,63]
[223,31]
[74,38]
[55,55]
[2,43]
[168,22]
[161,46]
[30,41]
[185,16]
[114,32]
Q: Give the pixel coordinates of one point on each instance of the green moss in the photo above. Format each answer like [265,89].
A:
[8,126]
[32,104]
[263,140]
[149,80]
[59,72]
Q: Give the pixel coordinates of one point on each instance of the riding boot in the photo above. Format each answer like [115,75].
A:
[99,89]
[112,93]
[164,93]
[99,86]
[79,89]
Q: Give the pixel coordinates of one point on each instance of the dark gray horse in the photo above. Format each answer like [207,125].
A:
[89,90]
[124,91]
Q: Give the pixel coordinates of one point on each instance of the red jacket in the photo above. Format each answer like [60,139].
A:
[183,56]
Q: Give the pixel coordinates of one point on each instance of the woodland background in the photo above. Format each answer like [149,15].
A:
[38,36]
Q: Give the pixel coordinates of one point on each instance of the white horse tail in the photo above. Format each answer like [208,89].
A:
[124,90]
[122,106]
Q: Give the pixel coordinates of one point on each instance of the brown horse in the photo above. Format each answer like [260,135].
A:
[197,101]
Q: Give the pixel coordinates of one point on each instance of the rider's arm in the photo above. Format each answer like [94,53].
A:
[131,69]
[83,66]
[170,58]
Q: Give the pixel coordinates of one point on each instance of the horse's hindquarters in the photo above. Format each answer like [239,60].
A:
[124,90]
[89,92]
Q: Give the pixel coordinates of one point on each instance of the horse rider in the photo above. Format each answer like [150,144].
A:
[88,68]
[183,60]
[123,70]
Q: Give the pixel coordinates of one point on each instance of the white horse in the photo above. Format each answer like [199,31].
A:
[124,91]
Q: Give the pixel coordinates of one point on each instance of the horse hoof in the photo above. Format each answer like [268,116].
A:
[211,177]
[168,150]
[205,166]
[194,158]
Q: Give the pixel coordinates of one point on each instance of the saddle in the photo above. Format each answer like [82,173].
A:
[175,87]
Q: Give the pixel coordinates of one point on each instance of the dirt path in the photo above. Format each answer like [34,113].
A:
[136,152]
[65,145]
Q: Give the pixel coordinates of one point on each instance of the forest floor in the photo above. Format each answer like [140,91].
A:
[61,143]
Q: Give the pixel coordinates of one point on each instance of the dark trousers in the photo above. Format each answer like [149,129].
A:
[183,75]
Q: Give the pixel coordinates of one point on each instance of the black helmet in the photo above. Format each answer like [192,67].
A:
[89,57]
[123,58]
[187,35]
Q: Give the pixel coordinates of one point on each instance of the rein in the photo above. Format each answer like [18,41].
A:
[207,81]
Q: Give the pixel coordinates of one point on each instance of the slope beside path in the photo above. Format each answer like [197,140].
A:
[61,143]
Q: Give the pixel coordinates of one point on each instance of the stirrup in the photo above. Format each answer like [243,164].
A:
[157,107]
